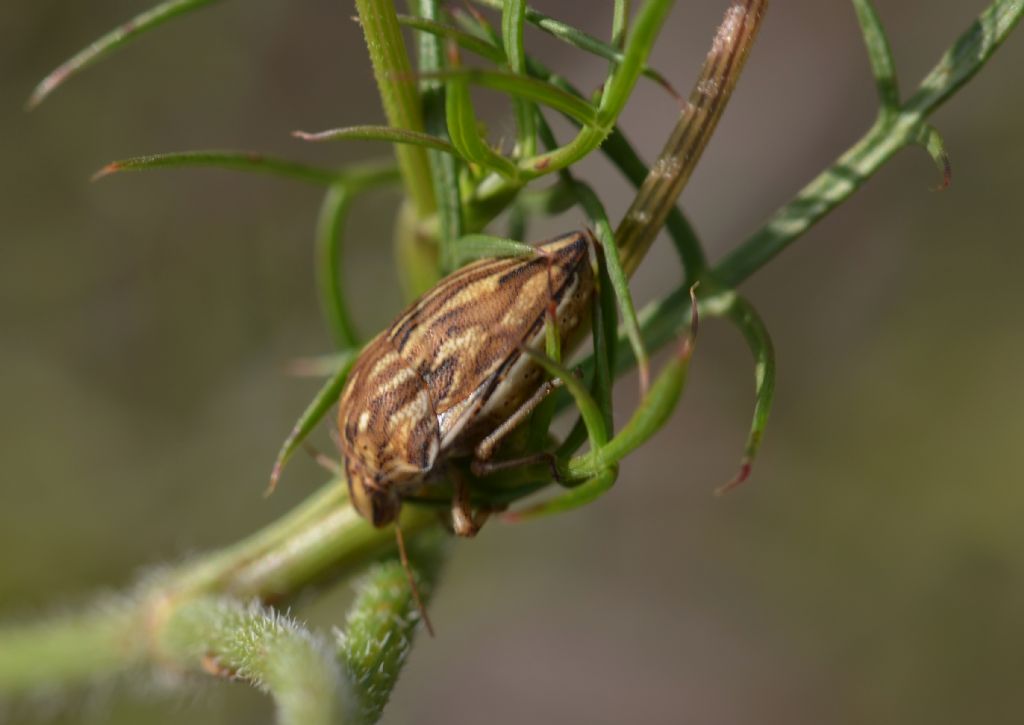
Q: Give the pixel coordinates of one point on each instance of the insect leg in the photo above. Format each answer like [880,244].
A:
[486,468]
[465,522]
[485,448]
[599,466]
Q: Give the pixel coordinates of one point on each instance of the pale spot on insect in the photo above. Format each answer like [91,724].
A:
[413,411]
[364,421]
[391,372]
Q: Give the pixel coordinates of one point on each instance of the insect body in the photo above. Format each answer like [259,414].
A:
[448,377]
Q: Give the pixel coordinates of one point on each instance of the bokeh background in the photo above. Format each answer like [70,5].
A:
[871,571]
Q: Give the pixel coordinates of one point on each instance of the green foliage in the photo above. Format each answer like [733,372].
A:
[211,615]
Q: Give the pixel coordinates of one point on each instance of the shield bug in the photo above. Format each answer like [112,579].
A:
[448,376]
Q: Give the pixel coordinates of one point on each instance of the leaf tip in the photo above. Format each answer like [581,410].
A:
[644,368]
[513,517]
[275,476]
[686,347]
[112,168]
[46,86]
[742,475]
[947,172]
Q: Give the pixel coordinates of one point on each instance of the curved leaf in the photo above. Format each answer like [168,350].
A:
[110,42]
[235,160]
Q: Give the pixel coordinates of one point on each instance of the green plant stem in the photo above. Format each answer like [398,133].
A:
[321,538]
[444,167]
[889,134]
[272,652]
[396,84]
[80,648]
[381,624]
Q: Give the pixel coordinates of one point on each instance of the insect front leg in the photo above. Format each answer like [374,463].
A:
[465,521]
[483,465]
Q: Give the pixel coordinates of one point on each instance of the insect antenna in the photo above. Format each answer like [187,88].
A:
[412,580]
[322,459]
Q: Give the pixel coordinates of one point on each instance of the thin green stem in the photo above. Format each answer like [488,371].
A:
[444,167]
[889,134]
[883,67]
[329,232]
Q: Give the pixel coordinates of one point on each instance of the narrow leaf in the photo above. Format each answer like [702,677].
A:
[620,23]
[930,139]
[883,67]
[110,42]
[589,409]
[479,246]
[444,167]
[463,127]
[529,89]
[379,133]
[617,90]
[235,160]
[588,43]
[968,54]
[513,17]
[329,235]
[606,237]
[652,412]
[625,158]
[620,282]
[465,40]
[313,414]
[745,317]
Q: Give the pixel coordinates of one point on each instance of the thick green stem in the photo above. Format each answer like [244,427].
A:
[274,653]
[380,627]
[321,538]
[396,83]
[82,648]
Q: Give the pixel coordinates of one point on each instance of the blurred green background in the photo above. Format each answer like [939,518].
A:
[871,571]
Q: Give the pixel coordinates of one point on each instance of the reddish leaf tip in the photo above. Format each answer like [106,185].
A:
[742,475]
[512,517]
[275,476]
[47,86]
[947,173]
[644,368]
[111,168]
